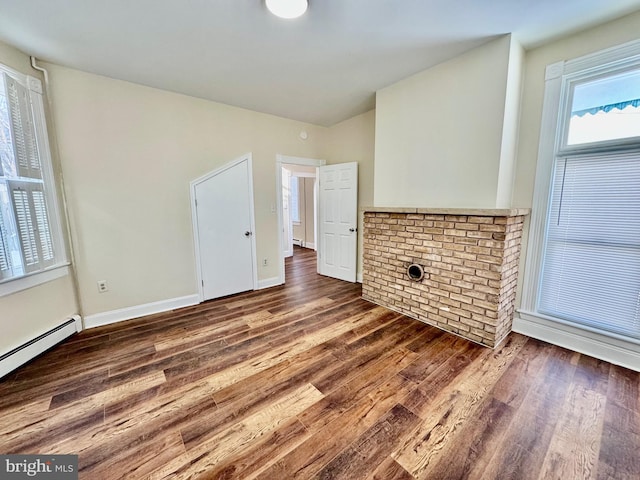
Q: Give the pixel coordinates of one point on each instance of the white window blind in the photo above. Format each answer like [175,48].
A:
[22,129]
[5,264]
[591,271]
[32,224]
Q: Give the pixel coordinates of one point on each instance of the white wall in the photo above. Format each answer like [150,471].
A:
[510,126]
[309,213]
[29,313]
[128,154]
[439,133]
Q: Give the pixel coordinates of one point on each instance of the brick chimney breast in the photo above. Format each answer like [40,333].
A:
[469,260]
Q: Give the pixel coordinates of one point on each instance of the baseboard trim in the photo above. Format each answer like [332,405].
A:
[269,282]
[122,314]
[28,351]
[309,245]
[359,277]
[598,346]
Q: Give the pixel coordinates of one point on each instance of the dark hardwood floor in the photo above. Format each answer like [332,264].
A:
[310,381]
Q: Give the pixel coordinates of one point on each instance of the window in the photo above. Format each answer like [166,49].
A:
[585,248]
[604,108]
[591,270]
[295,200]
[30,239]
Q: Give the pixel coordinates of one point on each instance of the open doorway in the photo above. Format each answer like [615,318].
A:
[299,201]
[297,205]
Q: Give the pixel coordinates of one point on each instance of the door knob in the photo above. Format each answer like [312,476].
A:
[353,229]
[247,233]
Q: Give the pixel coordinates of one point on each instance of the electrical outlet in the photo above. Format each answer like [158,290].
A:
[264,262]
[103,286]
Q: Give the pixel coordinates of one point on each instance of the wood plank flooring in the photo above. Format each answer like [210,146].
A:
[310,381]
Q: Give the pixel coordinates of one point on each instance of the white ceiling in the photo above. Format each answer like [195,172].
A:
[322,68]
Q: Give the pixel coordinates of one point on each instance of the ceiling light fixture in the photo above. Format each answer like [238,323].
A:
[287,8]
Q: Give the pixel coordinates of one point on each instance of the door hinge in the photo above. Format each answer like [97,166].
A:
[202,282]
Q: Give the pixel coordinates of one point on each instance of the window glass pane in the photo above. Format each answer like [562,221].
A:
[8,230]
[7,163]
[607,108]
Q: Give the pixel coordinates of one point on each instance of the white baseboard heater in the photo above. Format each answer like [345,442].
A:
[31,349]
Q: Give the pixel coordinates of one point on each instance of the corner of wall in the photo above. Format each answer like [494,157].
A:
[510,125]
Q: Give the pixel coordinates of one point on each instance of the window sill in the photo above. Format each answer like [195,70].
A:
[576,329]
[9,287]
[614,350]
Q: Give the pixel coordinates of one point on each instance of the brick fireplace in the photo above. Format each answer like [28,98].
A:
[455,269]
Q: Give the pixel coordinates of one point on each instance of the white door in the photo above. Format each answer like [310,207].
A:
[287,233]
[224,219]
[338,212]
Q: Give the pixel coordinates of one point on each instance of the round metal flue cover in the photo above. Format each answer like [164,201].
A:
[415,272]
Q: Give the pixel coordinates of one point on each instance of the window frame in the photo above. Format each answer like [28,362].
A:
[559,79]
[59,266]
[569,81]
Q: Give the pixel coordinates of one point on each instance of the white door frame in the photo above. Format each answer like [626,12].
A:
[280,160]
[194,217]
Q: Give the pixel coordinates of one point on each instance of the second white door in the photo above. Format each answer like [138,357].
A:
[338,212]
